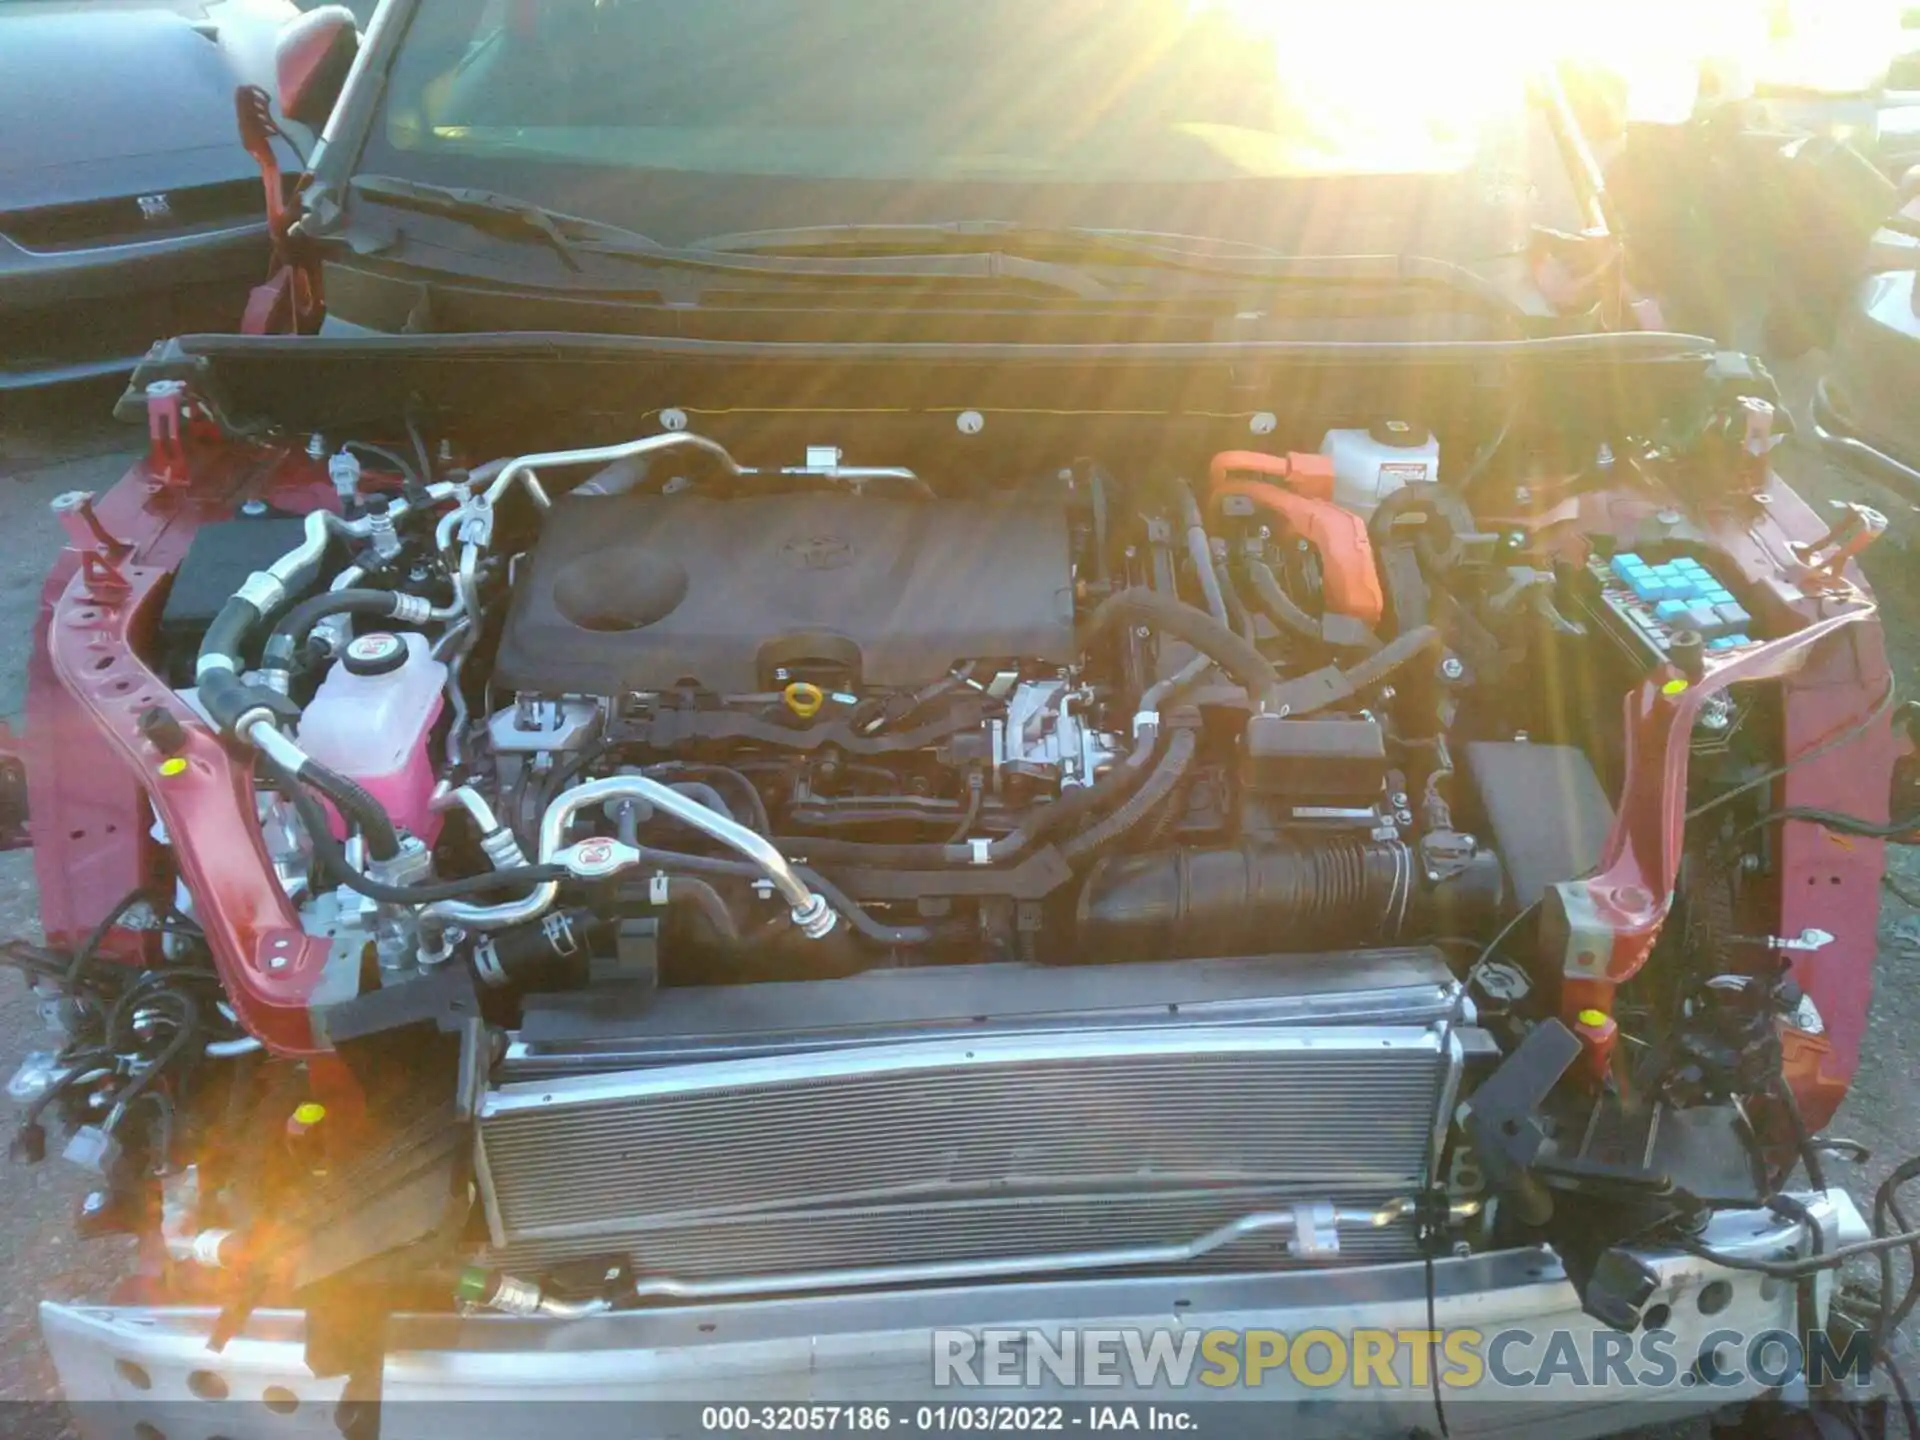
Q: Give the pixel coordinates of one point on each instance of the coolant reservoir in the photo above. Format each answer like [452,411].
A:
[1369,465]
[371,719]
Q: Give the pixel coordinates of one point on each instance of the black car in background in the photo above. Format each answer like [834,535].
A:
[129,211]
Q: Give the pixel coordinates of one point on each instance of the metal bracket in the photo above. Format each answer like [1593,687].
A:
[1806,941]
[1316,1232]
[1857,528]
[167,431]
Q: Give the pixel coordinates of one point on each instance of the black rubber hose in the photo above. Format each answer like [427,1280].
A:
[697,894]
[1280,607]
[1391,656]
[749,792]
[1200,552]
[1238,615]
[356,806]
[227,635]
[848,908]
[227,698]
[1159,787]
[330,858]
[285,641]
[1161,612]
[1044,820]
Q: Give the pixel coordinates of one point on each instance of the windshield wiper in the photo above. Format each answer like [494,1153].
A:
[1074,244]
[573,238]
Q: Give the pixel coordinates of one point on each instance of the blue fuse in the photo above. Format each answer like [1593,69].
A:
[1670,609]
[1627,567]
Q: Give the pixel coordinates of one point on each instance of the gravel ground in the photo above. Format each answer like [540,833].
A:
[48,449]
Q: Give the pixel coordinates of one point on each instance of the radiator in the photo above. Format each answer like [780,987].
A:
[965,1147]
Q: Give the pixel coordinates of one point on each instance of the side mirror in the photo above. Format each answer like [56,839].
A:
[311,60]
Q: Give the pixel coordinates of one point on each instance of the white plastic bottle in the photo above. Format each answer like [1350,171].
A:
[1369,465]
[372,718]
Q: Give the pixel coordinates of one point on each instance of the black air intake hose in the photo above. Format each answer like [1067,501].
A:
[1265,899]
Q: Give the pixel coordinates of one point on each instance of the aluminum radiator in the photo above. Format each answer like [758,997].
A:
[1013,1136]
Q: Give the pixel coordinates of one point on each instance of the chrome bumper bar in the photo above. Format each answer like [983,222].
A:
[488,1378]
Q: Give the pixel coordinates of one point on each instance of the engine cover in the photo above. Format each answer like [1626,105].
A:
[643,592]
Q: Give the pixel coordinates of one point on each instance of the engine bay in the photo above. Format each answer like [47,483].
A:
[1032,724]
[664,869]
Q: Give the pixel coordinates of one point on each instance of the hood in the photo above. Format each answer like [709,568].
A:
[106,100]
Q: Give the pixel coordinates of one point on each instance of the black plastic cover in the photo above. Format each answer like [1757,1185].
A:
[218,561]
[1548,816]
[643,592]
[1314,761]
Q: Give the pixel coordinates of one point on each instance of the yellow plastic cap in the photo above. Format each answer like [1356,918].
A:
[310,1113]
[803,699]
[1593,1018]
[173,765]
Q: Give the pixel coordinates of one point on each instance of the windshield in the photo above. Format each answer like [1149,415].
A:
[906,90]
[749,114]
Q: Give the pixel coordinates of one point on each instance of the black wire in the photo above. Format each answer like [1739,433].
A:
[1836,820]
[383,453]
[83,956]
[1795,1269]
[34,960]
[1825,747]
[1505,930]
[1802,1137]
[1477,466]
[184,1036]
[420,450]
[1905,897]
[1887,1209]
[976,789]
[1892,1367]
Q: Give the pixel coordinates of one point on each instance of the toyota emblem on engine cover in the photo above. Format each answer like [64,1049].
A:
[818,552]
[155,207]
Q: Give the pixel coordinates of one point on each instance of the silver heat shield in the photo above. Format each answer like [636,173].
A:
[973,1113]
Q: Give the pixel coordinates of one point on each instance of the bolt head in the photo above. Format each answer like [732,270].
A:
[1452,668]
[94,1202]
